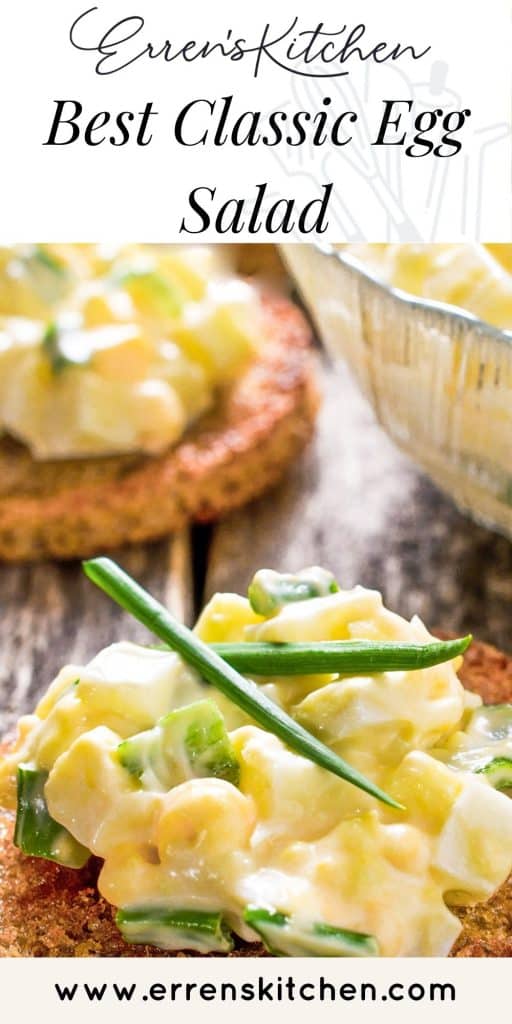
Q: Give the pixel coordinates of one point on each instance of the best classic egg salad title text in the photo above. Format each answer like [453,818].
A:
[319,52]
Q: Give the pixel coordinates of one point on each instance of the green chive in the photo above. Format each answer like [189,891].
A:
[242,692]
[345,657]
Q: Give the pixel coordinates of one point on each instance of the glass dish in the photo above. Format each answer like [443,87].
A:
[439,380]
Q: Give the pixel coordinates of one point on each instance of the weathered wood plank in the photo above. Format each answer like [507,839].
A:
[51,614]
[358,506]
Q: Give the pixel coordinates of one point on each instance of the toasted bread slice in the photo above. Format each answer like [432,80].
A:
[47,910]
[76,507]
[487,926]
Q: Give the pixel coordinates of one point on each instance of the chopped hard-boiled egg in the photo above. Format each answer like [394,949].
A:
[477,278]
[112,351]
[208,823]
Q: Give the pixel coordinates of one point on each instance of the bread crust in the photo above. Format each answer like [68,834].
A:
[48,910]
[77,507]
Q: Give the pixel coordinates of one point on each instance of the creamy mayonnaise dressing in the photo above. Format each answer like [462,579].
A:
[112,349]
[478,278]
[288,836]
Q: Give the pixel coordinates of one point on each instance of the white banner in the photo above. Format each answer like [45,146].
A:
[225,990]
[160,121]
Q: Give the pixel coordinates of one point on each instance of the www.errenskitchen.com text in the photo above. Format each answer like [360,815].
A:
[278,990]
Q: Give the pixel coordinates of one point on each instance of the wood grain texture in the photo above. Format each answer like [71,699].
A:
[50,614]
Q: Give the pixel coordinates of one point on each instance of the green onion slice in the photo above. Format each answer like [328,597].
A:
[36,833]
[203,931]
[284,936]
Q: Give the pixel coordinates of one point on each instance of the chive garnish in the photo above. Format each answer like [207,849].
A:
[344,657]
[110,578]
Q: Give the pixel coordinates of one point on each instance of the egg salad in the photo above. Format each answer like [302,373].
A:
[114,349]
[478,278]
[211,828]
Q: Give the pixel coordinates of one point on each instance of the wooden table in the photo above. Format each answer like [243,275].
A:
[354,504]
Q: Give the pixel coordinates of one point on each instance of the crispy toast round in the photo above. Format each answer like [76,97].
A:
[76,507]
[47,910]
